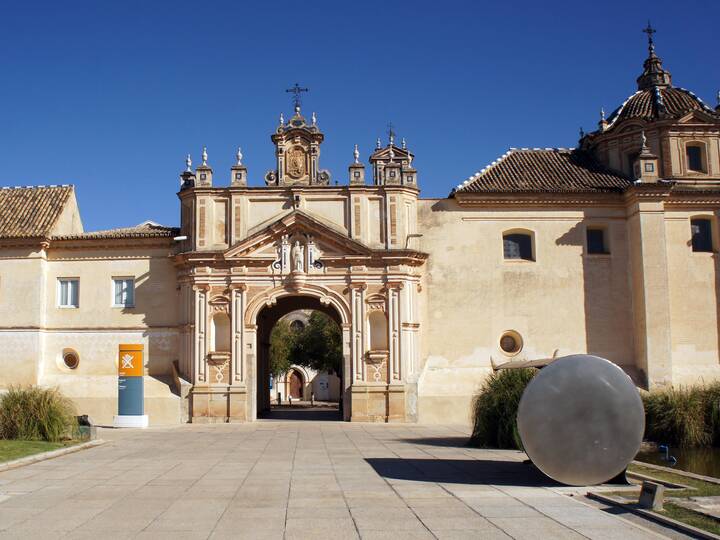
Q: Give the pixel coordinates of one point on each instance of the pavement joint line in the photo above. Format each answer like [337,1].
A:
[332,464]
[44,456]
[392,487]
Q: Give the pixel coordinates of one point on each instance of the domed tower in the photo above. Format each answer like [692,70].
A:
[661,132]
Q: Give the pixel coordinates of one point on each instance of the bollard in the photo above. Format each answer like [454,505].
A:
[651,496]
[312,399]
[290,400]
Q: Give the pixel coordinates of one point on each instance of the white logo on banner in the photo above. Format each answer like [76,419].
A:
[127,361]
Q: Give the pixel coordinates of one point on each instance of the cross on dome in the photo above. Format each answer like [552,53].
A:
[296,91]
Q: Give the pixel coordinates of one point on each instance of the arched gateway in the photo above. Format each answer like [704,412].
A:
[252,254]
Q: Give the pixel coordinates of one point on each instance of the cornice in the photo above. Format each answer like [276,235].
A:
[475,200]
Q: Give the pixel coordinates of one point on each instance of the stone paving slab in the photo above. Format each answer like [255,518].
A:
[302,479]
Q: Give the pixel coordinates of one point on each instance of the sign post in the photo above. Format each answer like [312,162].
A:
[131,389]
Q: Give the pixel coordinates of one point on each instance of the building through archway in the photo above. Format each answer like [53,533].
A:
[295,380]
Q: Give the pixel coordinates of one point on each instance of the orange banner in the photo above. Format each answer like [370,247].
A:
[130,360]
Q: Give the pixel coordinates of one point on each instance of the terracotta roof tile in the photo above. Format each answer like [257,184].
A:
[656,102]
[30,212]
[147,229]
[544,170]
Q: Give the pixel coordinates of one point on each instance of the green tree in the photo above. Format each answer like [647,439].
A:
[319,345]
[282,344]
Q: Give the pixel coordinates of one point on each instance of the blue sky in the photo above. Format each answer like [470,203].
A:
[111,96]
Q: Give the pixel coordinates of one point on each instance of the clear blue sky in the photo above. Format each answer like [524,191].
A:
[111,96]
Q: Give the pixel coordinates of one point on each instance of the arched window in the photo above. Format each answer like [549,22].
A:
[701,230]
[378,331]
[518,246]
[695,154]
[221,332]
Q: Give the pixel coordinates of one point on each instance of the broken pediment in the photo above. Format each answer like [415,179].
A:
[296,229]
[697,117]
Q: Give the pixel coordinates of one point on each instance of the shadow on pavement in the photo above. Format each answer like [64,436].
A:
[295,412]
[462,471]
[451,442]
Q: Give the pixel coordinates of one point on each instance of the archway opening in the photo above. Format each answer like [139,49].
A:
[300,363]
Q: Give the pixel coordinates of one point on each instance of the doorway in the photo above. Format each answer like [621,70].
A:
[291,389]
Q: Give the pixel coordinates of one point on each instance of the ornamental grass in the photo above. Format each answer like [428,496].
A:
[495,409]
[36,414]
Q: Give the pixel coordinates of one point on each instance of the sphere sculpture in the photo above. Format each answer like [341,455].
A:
[581,420]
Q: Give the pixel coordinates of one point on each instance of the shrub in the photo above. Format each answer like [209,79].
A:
[495,409]
[679,416]
[712,411]
[35,413]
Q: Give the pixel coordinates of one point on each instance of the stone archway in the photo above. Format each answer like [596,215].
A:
[296,383]
[266,316]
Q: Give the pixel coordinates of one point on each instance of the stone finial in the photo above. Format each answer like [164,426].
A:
[602,114]
[717,98]
[404,144]
[314,119]
[356,154]
[282,119]
[188,164]
[392,152]
[239,156]
[204,156]
[582,132]
[378,143]
[643,139]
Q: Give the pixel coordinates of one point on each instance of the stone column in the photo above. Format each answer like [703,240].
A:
[394,327]
[238,341]
[200,348]
[358,330]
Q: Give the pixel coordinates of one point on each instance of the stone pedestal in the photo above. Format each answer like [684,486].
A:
[218,404]
[378,402]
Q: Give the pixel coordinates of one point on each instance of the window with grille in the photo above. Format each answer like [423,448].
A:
[518,246]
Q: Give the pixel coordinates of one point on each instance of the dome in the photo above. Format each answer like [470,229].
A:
[659,102]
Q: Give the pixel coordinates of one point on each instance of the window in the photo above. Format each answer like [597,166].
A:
[596,244]
[511,343]
[518,246]
[71,360]
[694,154]
[701,229]
[123,292]
[649,167]
[297,326]
[68,289]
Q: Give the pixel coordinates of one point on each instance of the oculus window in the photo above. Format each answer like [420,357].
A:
[701,229]
[123,292]
[68,292]
[518,246]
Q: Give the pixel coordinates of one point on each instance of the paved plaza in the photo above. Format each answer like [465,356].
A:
[301,479]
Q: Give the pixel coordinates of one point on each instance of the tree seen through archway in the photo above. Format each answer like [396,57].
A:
[317,345]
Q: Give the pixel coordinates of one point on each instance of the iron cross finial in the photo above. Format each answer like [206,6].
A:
[649,30]
[296,90]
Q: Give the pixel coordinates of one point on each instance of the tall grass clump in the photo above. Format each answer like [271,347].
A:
[678,416]
[34,413]
[495,409]
[712,411]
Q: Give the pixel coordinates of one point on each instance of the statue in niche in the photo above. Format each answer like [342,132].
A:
[298,257]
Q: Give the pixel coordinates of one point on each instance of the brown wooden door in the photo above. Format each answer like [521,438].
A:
[296,385]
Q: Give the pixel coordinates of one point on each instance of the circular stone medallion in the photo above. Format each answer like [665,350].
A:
[581,420]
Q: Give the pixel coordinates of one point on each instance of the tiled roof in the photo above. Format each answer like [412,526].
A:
[31,212]
[147,229]
[656,102]
[544,170]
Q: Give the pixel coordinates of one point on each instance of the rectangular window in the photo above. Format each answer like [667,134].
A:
[701,230]
[517,246]
[694,158]
[596,244]
[649,167]
[123,292]
[68,292]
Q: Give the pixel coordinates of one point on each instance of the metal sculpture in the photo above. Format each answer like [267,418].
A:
[581,420]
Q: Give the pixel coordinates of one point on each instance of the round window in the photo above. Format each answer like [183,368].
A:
[511,342]
[71,360]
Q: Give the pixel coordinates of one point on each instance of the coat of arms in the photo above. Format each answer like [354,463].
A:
[296,163]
